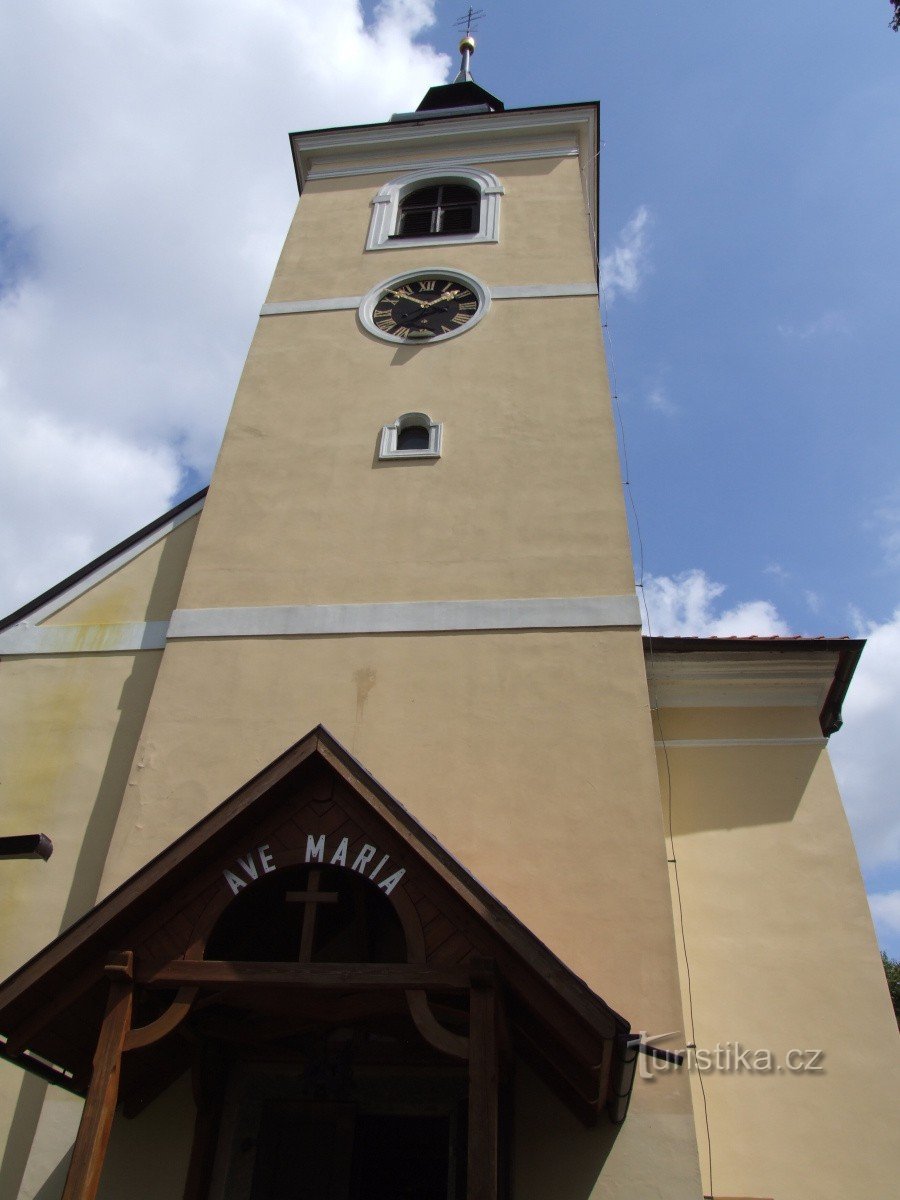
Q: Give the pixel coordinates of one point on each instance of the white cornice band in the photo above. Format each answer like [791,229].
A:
[304,620]
[418,616]
[710,743]
[541,291]
[440,164]
[729,680]
[525,291]
[126,638]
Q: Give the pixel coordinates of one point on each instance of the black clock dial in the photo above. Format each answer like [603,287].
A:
[418,309]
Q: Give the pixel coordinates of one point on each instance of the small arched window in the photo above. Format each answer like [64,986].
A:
[440,210]
[428,207]
[414,435]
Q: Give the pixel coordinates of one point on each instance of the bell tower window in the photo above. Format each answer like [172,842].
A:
[442,209]
[428,207]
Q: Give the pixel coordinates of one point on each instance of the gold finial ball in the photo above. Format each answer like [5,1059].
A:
[468,43]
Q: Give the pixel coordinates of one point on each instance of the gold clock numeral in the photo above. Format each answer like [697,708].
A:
[418,309]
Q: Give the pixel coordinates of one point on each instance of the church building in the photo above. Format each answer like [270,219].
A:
[390,860]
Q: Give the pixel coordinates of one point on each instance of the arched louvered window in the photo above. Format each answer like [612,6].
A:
[425,207]
[442,209]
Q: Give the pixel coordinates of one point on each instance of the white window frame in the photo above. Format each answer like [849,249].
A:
[386,208]
[390,434]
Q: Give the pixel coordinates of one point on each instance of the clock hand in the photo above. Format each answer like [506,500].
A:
[402,295]
[444,296]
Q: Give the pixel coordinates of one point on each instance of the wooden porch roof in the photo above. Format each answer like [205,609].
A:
[52,1007]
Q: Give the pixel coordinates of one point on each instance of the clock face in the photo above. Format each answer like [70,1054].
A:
[424,307]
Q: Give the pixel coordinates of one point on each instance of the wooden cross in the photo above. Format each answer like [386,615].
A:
[311,898]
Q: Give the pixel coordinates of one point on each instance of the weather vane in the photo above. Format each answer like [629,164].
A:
[472,17]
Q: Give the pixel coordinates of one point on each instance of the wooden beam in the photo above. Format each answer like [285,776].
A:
[184,972]
[484,1092]
[146,1035]
[100,1106]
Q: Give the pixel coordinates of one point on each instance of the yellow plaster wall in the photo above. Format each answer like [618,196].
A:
[544,236]
[527,754]
[301,512]
[782,956]
[70,725]
[555,1156]
[143,589]
[776,721]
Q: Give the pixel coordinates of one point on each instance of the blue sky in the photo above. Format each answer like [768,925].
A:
[749,175]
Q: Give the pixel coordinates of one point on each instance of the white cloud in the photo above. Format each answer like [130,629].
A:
[887,522]
[659,401]
[67,489]
[866,752]
[813,600]
[829,322]
[147,185]
[776,569]
[885,908]
[685,606]
[625,267]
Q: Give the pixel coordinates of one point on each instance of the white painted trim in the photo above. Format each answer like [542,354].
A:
[542,291]
[432,137]
[518,291]
[304,306]
[442,164]
[731,680]
[83,639]
[387,201]
[436,133]
[108,568]
[369,303]
[705,743]
[387,448]
[420,616]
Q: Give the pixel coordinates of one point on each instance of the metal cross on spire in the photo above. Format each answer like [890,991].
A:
[472,17]
[467,44]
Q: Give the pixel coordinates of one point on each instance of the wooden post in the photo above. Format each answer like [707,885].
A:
[209,1076]
[100,1106]
[484,1088]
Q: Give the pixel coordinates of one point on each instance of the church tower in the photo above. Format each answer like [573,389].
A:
[415,537]
[362,882]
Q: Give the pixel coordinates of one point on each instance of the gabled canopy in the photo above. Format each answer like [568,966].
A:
[314,804]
